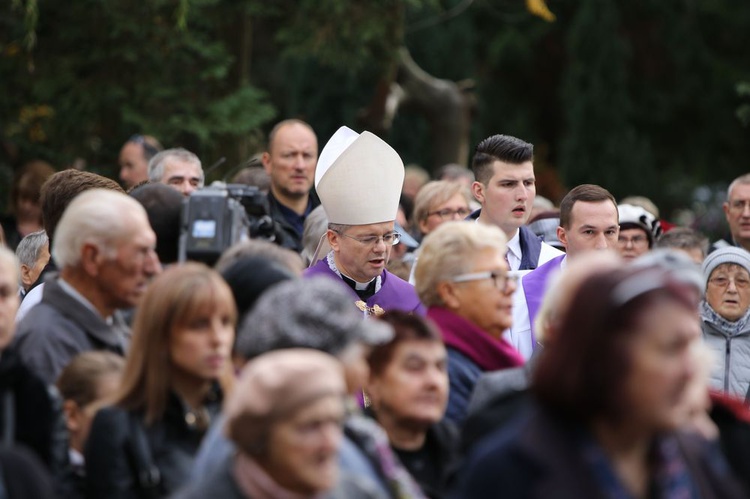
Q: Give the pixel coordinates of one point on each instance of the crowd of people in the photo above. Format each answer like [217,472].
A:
[393,336]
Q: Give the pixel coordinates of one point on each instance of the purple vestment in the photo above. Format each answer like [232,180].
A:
[394,293]
[534,286]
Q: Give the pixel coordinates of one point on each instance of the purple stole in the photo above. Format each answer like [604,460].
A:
[394,293]
[534,286]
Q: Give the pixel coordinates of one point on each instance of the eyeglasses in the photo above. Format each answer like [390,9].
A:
[723,282]
[635,240]
[448,214]
[390,239]
[501,280]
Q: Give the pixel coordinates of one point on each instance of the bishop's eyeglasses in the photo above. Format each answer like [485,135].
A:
[390,239]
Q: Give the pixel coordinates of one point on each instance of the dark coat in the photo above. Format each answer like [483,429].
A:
[539,456]
[59,328]
[111,469]
[35,416]
[286,235]
[441,441]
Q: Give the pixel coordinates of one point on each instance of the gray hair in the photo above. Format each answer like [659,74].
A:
[28,249]
[157,163]
[316,225]
[97,216]
[449,251]
[742,179]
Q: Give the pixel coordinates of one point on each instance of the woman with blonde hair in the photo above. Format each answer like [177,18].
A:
[176,374]
[438,202]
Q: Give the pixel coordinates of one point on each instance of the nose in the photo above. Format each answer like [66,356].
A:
[522,193]
[152,265]
[186,188]
[331,437]
[732,286]
[601,242]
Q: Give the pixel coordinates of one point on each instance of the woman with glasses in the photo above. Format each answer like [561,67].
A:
[439,202]
[725,318]
[609,416]
[462,277]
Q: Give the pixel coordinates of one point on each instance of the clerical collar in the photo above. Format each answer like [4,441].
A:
[371,287]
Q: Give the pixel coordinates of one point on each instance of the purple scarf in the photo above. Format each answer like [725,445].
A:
[491,354]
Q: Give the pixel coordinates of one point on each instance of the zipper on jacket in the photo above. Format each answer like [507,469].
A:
[726,364]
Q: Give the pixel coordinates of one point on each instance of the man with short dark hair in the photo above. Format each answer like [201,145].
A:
[505,186]
[588,221]
[290,162]
[134,157]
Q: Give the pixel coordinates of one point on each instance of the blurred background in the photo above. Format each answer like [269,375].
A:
[644,97]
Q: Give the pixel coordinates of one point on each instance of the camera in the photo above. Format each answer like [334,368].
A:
[219,216]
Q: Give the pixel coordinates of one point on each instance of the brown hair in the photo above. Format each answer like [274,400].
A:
[28,182]
[406,327]
[79,380]
[436,193]
[588,193]
[581,371]
[60,189]
[173,299]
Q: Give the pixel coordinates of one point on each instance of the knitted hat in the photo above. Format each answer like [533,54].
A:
[250,277]
[635,217]
[309,313]
[274,387]
[730,254]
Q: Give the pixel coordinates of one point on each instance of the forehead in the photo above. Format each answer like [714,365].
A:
[179,165]
[502,170]
[740,191]
[131,149]
[600,213]
[632,231]
[730,268]
[420,348]
[294,135]
[379,228]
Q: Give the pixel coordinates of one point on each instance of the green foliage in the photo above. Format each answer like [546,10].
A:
[106,69]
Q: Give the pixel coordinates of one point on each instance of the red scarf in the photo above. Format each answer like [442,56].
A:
[491,354]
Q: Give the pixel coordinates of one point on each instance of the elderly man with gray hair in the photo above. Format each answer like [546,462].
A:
[33,254]
[178,168]
[104,247]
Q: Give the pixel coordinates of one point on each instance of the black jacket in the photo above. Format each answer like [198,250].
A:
[31,414]
[115,467]
[286,235]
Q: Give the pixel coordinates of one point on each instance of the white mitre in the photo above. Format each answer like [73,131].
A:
[359,178]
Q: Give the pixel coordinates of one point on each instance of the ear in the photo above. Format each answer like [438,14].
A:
[266,160]
[72,416]
[725,207]
[91,258]
[449,295]
[25,277]
[422,226]
[477,190]
[334,240]
[562,236]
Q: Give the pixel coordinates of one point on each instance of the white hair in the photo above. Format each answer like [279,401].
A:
[157,163]
[97,216]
